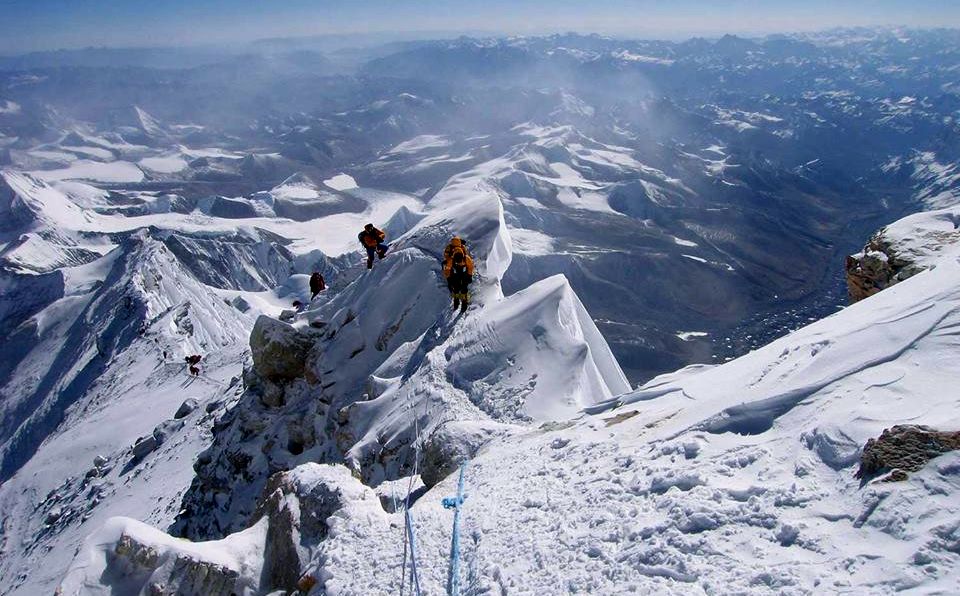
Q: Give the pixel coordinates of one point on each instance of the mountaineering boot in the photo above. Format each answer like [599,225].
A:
[464,304]
[381,252]
[456,302]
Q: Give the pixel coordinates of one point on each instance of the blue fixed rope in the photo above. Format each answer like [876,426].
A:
[455,503]
[408,535]
[414,575]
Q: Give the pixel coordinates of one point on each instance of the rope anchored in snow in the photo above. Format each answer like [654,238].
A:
[408,534]
[414,574]
[455,503]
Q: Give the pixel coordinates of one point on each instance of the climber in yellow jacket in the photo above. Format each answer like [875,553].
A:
[371,238]
[458,271]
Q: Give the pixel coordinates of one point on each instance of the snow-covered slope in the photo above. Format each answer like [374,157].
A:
[99,415]
[90,372]
[181,211]
[732,478]
[388,361]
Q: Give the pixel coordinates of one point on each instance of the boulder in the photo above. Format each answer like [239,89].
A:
[452,444]
[188,406]
[279,351]
[165,430]
[904,448]
[144,446]
[240,304]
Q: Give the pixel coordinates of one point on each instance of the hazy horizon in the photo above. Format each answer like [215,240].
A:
[44,25]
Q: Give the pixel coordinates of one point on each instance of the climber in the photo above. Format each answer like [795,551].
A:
[372,239]
[192,362]
[317,284]
[458,270]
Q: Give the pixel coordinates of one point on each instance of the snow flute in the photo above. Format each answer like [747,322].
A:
[455,503]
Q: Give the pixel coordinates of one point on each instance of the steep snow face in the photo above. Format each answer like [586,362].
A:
[53,357]
[252,260]
[41,201]
[548,348]
[148,123]
[531,357]
[46,251]
[93,365]
[44,218]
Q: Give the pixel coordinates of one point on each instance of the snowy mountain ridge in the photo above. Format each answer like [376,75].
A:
[658,204]
[125,320]
[381,374]
[731,477]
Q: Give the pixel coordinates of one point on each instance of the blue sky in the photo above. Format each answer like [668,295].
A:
[27,25]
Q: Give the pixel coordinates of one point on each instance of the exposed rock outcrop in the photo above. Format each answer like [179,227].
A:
[279,351]
[876,267]
[129,557]
[900,251]
[297,504]
[184,575]
[278,553]
[904,448]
